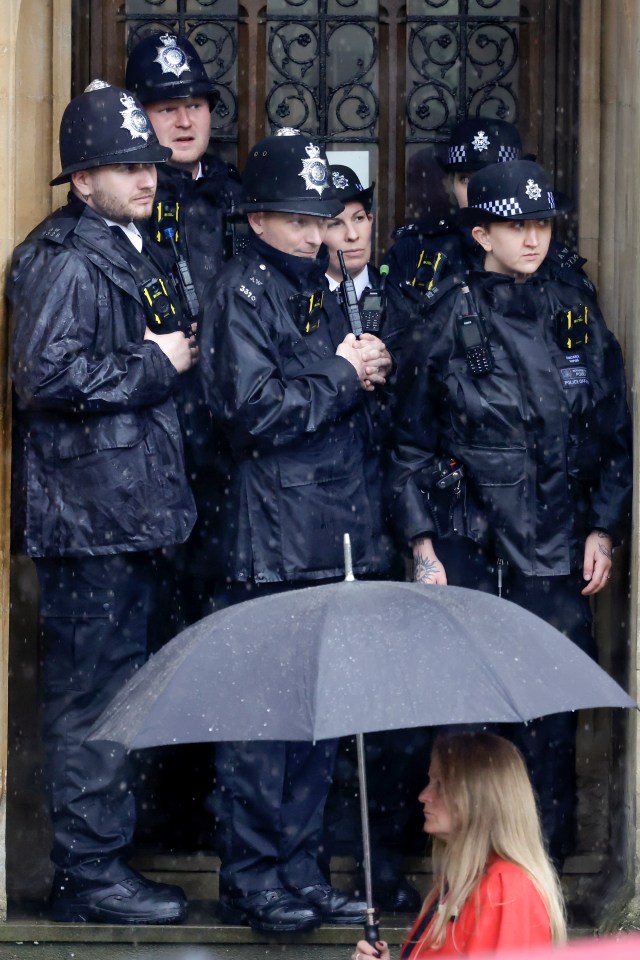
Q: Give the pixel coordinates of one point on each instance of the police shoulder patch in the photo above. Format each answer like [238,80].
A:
[252,286]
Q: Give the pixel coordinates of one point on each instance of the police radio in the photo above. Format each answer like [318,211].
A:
[167,214]
[477,350]
[373,305]
[349,298]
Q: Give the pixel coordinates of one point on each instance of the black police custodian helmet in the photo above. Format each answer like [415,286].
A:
[162,67]
[347,185]
[517,190]
[105,125]
[289,173]
[479,141]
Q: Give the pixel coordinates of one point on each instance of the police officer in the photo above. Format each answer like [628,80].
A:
[196,191]
[99,482]
[425,251]
[351,231]
[397,756]
[517,378]
[433,255]
[291,388]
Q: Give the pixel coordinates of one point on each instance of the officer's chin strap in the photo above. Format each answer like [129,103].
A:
[500,565]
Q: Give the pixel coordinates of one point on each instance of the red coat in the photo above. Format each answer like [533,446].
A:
[504,912]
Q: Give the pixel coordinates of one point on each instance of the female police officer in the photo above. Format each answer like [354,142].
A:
[517,377]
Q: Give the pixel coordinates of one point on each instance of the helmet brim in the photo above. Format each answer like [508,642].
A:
[153,153]
[474,216]
[308,208]
[178,91]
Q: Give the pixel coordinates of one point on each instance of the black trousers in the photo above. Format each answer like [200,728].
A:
[94,613]
[549,743]
[270,800]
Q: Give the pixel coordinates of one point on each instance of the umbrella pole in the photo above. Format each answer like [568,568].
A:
[371,928]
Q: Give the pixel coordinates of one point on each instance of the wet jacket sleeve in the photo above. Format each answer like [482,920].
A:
[415,444]
[611,499]
[269,393]
[58,310]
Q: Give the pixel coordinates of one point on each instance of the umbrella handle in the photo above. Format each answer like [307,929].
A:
[371,929]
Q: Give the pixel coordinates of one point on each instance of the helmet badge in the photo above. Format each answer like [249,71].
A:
[532,190]
[314,170]
[340,182]
[170,57]
[134,120]
[481,141]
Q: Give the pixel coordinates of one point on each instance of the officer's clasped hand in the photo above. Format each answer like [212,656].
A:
[377,359]
[180,350]
[370,358]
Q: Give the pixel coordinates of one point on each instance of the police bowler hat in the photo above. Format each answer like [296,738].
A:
[348,188]
[289,173]
[105,125]
[476,142]
[517,190]
[163,67]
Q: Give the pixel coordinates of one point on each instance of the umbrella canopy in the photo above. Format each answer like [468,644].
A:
[350,658]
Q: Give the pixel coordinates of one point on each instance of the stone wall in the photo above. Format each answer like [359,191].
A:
[35,61]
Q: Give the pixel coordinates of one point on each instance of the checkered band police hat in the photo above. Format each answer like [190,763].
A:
[479,141]
[106,125]
[289,173]
[516,190]
[348,187]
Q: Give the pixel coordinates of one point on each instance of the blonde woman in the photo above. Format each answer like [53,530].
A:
[495,887]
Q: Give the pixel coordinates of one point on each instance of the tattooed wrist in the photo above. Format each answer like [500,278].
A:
[424,568]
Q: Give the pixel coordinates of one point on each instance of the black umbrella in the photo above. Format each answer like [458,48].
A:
[295,666]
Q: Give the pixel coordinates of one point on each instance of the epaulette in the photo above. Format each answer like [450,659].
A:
[59,230]
[423,228]
[252,288]
[576,279]
[568,258]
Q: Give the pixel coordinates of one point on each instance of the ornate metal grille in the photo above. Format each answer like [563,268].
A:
[212,27]
[322,70]
[462,60]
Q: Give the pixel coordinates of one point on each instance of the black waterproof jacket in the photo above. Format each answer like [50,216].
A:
[303,464]
[203,207]
[204,242]
[98,454]
[544,438]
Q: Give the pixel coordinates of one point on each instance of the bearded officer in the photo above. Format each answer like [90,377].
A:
[99,481]
[291,388]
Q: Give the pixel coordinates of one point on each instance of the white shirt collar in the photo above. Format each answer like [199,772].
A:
[361,282]
[131,231]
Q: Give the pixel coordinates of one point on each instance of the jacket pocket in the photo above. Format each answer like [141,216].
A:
[104,433]
[494,466]
[322,498]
